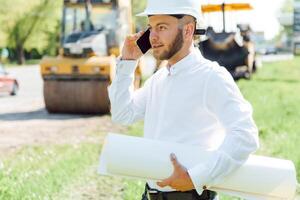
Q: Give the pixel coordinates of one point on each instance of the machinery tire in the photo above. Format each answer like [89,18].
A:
[81,97]
[247,75]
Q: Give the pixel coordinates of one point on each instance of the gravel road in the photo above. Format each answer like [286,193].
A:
[24,120]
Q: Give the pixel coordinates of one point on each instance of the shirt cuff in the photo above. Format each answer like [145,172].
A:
[126,67]
[200,177]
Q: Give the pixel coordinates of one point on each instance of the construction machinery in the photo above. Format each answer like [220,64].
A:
[92,32]
[238,57]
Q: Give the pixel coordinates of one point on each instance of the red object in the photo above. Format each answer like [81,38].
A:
[8,84]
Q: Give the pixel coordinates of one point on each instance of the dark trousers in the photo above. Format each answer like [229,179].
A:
[153,194]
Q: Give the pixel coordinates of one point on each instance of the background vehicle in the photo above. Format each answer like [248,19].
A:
[223,47]
[92,33]
[271,50]
[8,84]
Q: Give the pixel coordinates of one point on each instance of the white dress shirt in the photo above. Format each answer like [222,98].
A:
[194,101]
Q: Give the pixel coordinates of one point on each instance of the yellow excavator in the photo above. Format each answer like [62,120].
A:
[92,33]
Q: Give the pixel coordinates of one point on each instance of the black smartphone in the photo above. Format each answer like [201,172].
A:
[144,42]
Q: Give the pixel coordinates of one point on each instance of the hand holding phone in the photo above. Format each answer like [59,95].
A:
[130,50]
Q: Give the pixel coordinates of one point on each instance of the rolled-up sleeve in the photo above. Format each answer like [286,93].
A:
[224,100]
[127,105]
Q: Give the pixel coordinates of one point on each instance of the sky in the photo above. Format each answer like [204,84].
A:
[262,18]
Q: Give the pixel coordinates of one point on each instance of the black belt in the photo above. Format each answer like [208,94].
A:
[153,194]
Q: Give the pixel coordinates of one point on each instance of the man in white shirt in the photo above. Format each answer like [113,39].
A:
[192,101]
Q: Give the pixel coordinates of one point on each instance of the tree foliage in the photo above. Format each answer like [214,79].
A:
[288,6]
[27,23]
[137,7]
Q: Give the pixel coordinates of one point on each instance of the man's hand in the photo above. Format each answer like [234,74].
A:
[130,49]
[180,180]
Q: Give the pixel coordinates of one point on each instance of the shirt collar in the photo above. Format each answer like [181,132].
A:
[185,63]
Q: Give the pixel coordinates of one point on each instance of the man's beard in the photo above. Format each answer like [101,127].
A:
[173,48]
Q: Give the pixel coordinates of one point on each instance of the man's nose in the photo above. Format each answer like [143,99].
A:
[153,36]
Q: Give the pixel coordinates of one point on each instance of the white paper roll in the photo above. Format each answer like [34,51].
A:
[260,178]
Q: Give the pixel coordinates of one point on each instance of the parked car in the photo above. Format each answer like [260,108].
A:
[271,50]
[8,84]
[267,50]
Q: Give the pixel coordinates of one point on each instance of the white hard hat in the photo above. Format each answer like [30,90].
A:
[174,7]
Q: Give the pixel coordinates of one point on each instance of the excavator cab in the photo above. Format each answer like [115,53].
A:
[238,58]
[92,32]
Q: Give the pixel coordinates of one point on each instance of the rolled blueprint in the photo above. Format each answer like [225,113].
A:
[260,178]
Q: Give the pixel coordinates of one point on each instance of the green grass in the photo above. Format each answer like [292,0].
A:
[40,172]
[133,189]
[67,172]
[274,94]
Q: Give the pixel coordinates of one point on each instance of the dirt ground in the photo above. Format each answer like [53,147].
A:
[38,128]
[25,121]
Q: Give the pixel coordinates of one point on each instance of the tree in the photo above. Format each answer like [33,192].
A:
[137,7]
[288,6]
[284,38]
[53,40]
[27,24]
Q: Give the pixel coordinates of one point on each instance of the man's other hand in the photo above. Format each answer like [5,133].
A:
[180,180]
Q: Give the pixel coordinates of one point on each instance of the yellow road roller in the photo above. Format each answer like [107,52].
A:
[92,32]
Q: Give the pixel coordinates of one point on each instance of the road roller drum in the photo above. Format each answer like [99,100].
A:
[85,96]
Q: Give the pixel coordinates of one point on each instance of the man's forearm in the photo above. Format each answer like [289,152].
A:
[121,92]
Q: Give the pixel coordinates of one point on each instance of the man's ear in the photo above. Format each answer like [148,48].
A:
[189,30]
